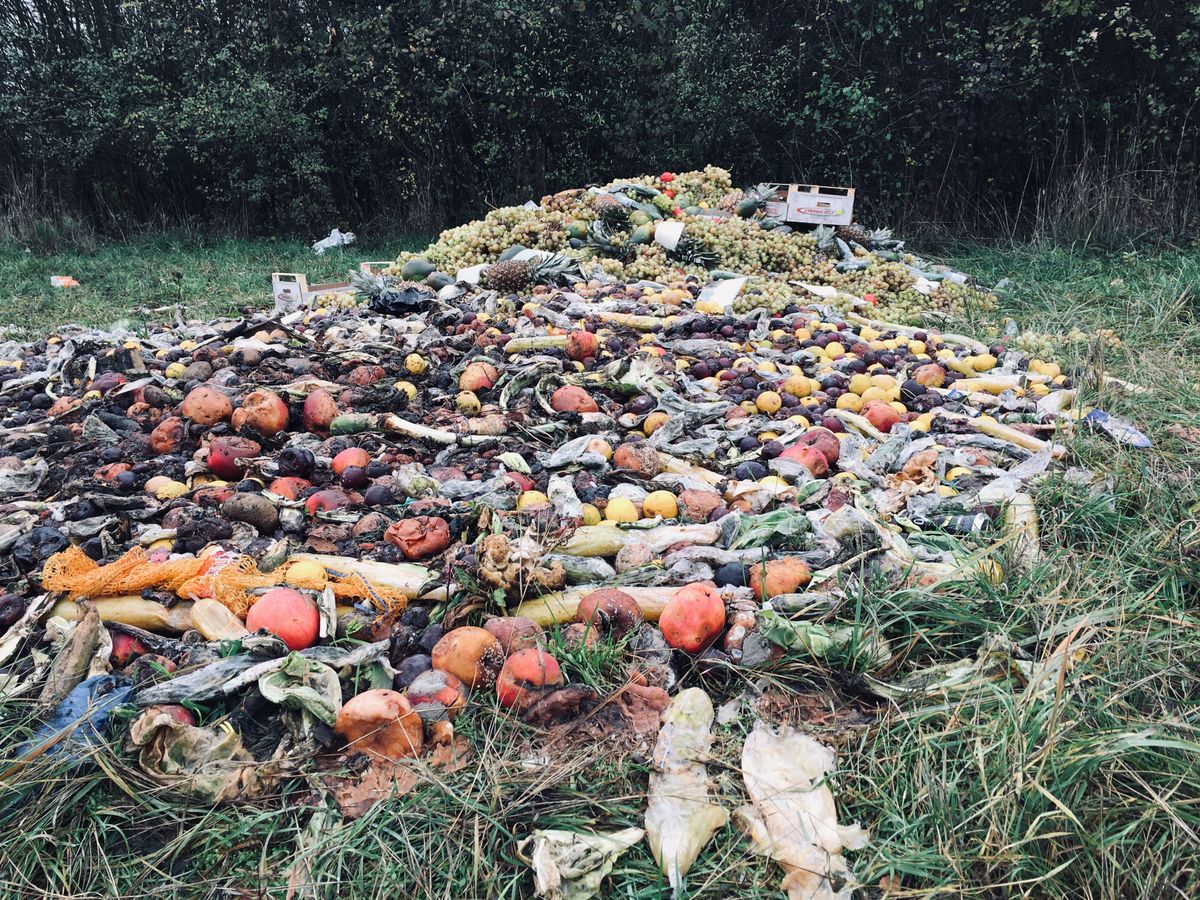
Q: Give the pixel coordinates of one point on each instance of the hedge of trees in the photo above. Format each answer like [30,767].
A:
[291,116]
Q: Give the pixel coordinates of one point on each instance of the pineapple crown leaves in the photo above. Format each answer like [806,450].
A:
[690,251]
[600,240]
[825,236]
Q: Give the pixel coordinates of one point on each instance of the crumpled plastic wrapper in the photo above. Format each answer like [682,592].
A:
[680,818]
[210,764]
[570,865]
[303,684]
[792,817]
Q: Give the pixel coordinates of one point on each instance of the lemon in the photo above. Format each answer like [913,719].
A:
[660,503]
[531,498]
[768,402]
[591,515]
[620,509]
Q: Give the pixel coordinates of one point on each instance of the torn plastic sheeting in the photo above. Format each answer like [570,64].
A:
[81,720]
[680,817]
[570,865]
[304,684]
[210,764]
[792,817]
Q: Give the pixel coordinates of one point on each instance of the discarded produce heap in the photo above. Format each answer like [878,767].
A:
[338,531]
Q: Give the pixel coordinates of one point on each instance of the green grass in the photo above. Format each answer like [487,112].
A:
[1091,789]
[205,276]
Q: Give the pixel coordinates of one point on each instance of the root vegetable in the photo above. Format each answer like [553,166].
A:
[381,723]
[289,615]
[253,509]
[470,653]
[693,618]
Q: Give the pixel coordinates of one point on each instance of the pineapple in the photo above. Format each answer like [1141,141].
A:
[729,203]
[512,276]
[508,277]
[692,252]
[611,212]
[855,233]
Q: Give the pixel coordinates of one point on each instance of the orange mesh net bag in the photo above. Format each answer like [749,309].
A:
[228,579]
[77,575]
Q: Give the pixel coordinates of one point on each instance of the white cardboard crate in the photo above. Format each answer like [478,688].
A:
[292,290]
[812,204]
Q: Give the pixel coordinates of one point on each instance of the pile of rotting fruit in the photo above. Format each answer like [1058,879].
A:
[303,544]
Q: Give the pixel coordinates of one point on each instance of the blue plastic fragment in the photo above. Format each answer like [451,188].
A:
[1120,430]
[81,720]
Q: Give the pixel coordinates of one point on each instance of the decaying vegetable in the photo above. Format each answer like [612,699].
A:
[792,817]
[517,567]
[419,537]
[693,618]
[562,607]
[381,723]
[610,611]
[527,676]
[680,818]
[470,653]
[515,632]
[289,614]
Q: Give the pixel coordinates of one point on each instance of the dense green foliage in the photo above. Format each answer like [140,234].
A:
[289,116]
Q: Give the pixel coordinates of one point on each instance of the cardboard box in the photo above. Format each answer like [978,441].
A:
[291,290]
[812,204]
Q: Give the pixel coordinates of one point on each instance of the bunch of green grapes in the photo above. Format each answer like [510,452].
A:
[331,300]
[902,307]
[1034,344]
[483,240]
[956,299]
[649,263]
[770,294]
[746,248]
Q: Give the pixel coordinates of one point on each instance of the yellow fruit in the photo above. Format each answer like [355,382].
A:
[601,446]
[660,503]
[531,498]
[415,364]
[187,346]
[797,386]
[407,388]
[769,402]
[621,509]
[873,393]
[884,381]
[1039,390]
[921,423]
[768,436]
[944,490]
[175,370]
[916,346]
[984,362]
[860,383]
[749,407]
[898,406]
[591,515]
[768,367]
[835,350]
[809,401]
[654,421]
[743,364]
[957,472]
[803,334]
[849,401]
[774,484]
[799,421]
[709,307]
[307,573]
